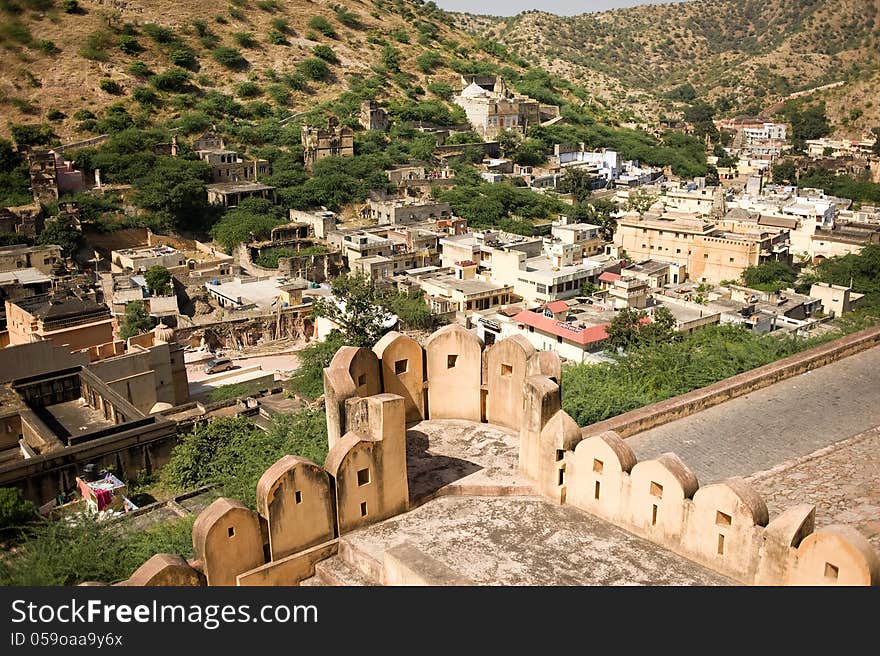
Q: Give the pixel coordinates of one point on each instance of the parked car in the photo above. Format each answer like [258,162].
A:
[217,365]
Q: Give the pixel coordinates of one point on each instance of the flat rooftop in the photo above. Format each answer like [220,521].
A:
[472,286]
[237,187]
[74,418]
[504,534]
[523,540]
[262,293]
[28,276]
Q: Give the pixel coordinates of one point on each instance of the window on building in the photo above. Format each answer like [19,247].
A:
[363,477]
[506,370]
[656,489]
[451,360]
[401,366]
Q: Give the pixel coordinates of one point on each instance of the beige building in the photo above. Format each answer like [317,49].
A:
[72,322]
[708,253]
[457,289]
[333,141]
[46,259]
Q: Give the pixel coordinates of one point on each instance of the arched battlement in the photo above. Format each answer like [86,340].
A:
[403,371]
[353,372]
[453,359]
[227,540]
[294,496]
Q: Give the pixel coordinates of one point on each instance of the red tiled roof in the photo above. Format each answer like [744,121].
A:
[607,276]
[581,336]
[557,306]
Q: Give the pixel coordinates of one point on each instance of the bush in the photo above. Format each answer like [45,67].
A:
[159,33]
[323,26]
[48,47]
[326,53]
[139,69]
[245,39]
[277,38]
[231,452]
[314,69]
[229,57]
[201,27]
[428,61]
[15,510]
[96,45]
[174,79]
[63,553]
[346,17]
[16,31]
[183,57]
[70,7]
[129,45]
[55,115]
[110,86]
[441,90]
[248,90]
[281,25]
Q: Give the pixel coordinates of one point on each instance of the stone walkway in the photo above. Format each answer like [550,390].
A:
[761,430]
[842,481]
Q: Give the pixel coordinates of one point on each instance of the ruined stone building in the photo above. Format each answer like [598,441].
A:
[373,117]
[333,141]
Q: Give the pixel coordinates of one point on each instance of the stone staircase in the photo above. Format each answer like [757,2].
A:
[350,567]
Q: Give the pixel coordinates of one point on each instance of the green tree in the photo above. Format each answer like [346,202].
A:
[15,510]
[158,280]
[354,309]
[623,331]
[769,276]
[135,321]
[253,219]
[308,379]
[174,188]
[577,182]
[69,238]
[784,172]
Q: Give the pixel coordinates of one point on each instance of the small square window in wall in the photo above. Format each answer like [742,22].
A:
[720,544]
[560,455]
[401,366]
[363,476]
[363,508]
[656,489]
[451,359]
[832,572]
[231,531]
[598,465]
[506,370]
[362,380]
[298,496]
[722,519]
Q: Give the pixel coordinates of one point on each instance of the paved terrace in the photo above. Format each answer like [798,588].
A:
[769,427]
[504,534]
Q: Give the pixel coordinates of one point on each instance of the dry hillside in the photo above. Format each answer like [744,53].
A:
[54,61]
[750,53]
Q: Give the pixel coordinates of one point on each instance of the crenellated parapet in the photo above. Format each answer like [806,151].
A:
[372,394]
